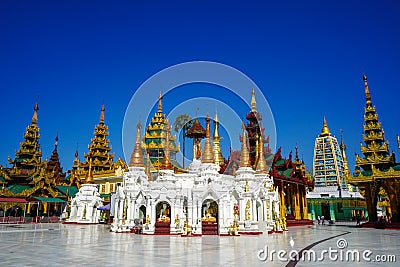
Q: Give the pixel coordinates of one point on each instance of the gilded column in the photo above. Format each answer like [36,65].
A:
[297,203]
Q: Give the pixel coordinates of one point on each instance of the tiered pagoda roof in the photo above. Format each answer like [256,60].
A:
[99,159]
[254,130]
[54,166]
[290,171]
[155,139]
[376,160]
[375,151]
[28,159]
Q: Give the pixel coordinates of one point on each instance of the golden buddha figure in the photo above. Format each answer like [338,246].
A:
[164,214]
[208,214]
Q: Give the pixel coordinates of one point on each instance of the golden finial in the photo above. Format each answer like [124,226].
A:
[218,158]
[367,94]
[261,165]
[253,101]
[160,97]
[208,156]
[35,110]
[166,163]
[325,129]
[89,176]
[102,113]
[137,156]
[244,156]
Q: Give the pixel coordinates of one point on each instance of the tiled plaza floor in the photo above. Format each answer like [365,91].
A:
[94,245]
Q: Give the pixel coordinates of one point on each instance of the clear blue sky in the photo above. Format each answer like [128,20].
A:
[306,57]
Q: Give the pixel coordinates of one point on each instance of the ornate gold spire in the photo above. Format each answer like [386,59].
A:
[148,164]
[367,94]
[166,163]
[208,156]
[218,158]
[35,115]
[261,165]
[102,114]
[253,101]
[89,176]
[160,103]
[346,169]
[244,156]
[376,149]
[136,159]
[325,130]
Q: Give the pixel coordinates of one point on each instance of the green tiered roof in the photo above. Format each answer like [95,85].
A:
[155,138]
[28,159]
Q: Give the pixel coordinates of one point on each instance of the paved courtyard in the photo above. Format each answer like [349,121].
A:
[94,245]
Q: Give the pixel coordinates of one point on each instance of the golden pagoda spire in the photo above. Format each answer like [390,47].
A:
[102,114]
[136,159]
[244,156]
[218,158]
[346,169]
[35,115]
[208,156]
[253,101]
[148,164]
[160,102]
[367,94]
[261,165]
[89,176]
[166,163]
[325,130]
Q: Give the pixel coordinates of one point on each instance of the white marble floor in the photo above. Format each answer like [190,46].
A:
[94,245]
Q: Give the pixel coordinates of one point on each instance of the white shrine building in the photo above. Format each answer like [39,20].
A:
[201,198]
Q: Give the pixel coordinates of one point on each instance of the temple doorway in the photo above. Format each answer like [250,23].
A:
[326,210]
[209,220]
[142,213]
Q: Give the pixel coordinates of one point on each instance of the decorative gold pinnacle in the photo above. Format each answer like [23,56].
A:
[253,101]
[367,94]
[208,156]
[35,115]
[218,158]
[102,113]
[136,159]
[89,176]
[160,103]
[166,163]
[244,156]
[261,166]
[325,130]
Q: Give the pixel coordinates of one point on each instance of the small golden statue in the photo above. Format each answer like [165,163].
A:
[84,213]
[187,229]
[177,221]
[147,220]
[248,210]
